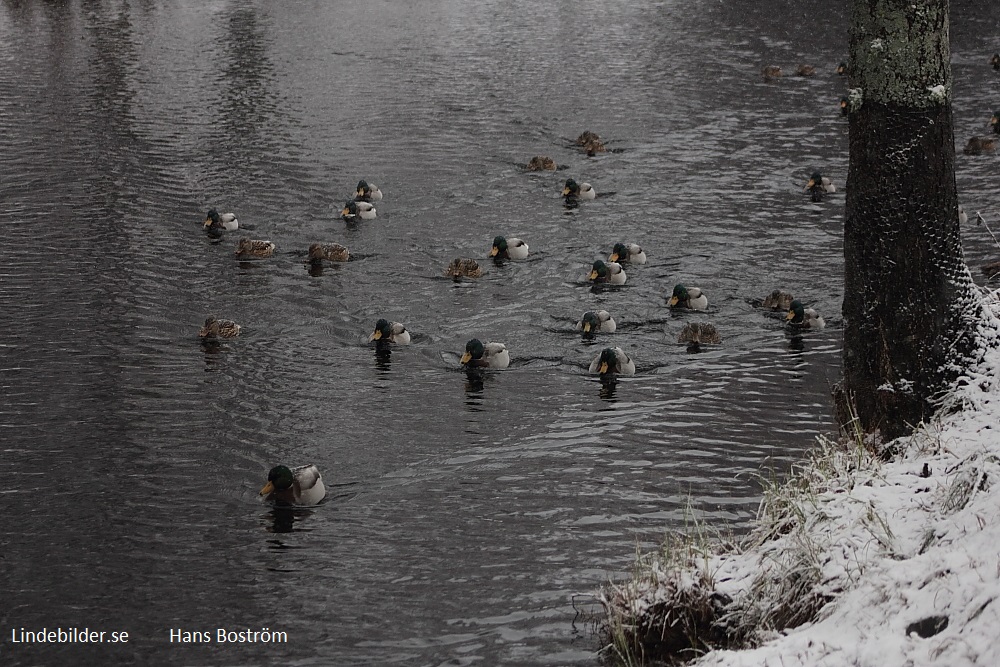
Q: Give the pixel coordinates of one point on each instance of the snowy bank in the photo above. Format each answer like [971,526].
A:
[860,558]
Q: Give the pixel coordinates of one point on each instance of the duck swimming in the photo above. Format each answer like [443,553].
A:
[389,332]
[331,252]
[463,267]
[367,192]
[593,322]
[216,222]
[804,318]
[612,361]
[299,486]
[254,248]
[219,329]
[607,272]
[488,355]
[578,190]
[819,185]
[512,248]
[629,253]
[354,210]
[688,297]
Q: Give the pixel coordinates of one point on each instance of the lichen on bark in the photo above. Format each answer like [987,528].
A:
[899,50]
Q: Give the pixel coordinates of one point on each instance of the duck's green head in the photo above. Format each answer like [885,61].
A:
[571,188]
[618,253]
[499,246]
[363,188]
[815,180]
[212,218]
[598,270]
[796,312]
[279,478]
[591,322]
[473,350]
[608,360]
[350,209]
[382,330]
[679,294]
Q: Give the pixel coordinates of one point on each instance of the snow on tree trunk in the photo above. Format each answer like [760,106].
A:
[909,302]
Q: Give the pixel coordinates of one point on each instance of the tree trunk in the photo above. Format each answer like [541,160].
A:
[910,305]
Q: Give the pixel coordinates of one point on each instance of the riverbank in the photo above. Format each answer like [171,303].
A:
[868,555]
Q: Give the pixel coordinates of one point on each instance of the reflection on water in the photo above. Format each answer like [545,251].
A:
[472,506]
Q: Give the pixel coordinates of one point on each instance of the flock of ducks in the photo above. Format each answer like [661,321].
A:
[304,485]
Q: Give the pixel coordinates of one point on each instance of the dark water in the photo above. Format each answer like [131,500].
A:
[462,519]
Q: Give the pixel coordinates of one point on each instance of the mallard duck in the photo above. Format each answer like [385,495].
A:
[390,332]
[805,70]
[592,148]
[995,122]
[688,297]
[358,209]
[995,61]
[594,322]
[578,190]
[777,300]
[367,192]
[612,361]
[627,253]
[219,329]
[541,163]
[805,318]
[696,333]
[819,185]
[489,355]
[845,106]
[254,248]
[607,272]
[512,248]
[842,68]
[463,267]
[332,252]
[980,145]
[588,137]
[214,221]
[771,72]
[298,486]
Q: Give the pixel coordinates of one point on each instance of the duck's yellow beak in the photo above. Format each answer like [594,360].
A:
[593,275]
[208,221]
[268,488]
[674,301]
[494,252]
[345,212]
[604,368]
[359,192]
[466,358]
[566,191]
[377,335]
[586,327]
[810,183]
[790,315]
[613,258]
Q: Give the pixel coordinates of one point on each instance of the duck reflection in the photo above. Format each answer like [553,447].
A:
[282,519]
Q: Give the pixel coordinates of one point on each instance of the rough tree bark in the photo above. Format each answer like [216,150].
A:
[910,306]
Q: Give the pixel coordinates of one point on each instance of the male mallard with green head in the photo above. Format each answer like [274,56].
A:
[688,297]
[389,332]
[353,210]
[596,321]
[512,248]
[818,185]
[627,253]
[298,486]
[610,273]
[578,190]
[805,318]
[485,355]
[612,361]
[367,192]
[218,222]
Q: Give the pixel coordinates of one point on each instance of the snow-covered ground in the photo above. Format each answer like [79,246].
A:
[907,551]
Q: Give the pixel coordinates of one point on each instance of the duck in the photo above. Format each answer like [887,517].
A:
[485,355]
[592,148]
[995,61]
[463,267]
[541,163]
[367,192]
[995,122]
[842,68]
[819,185]
[214,221]
[358,209]
[588,137]
[389,332]
[578,190]
[805,318]
[688,297]
[596,321]
[254,248]
[332,252]
[777,300]
[629,253]
[697,333]
[845,106]
[215,328]
[294,486]
[612,361]
[805,70]
[512,248]
[980,145]
[771,72]
[607,272]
